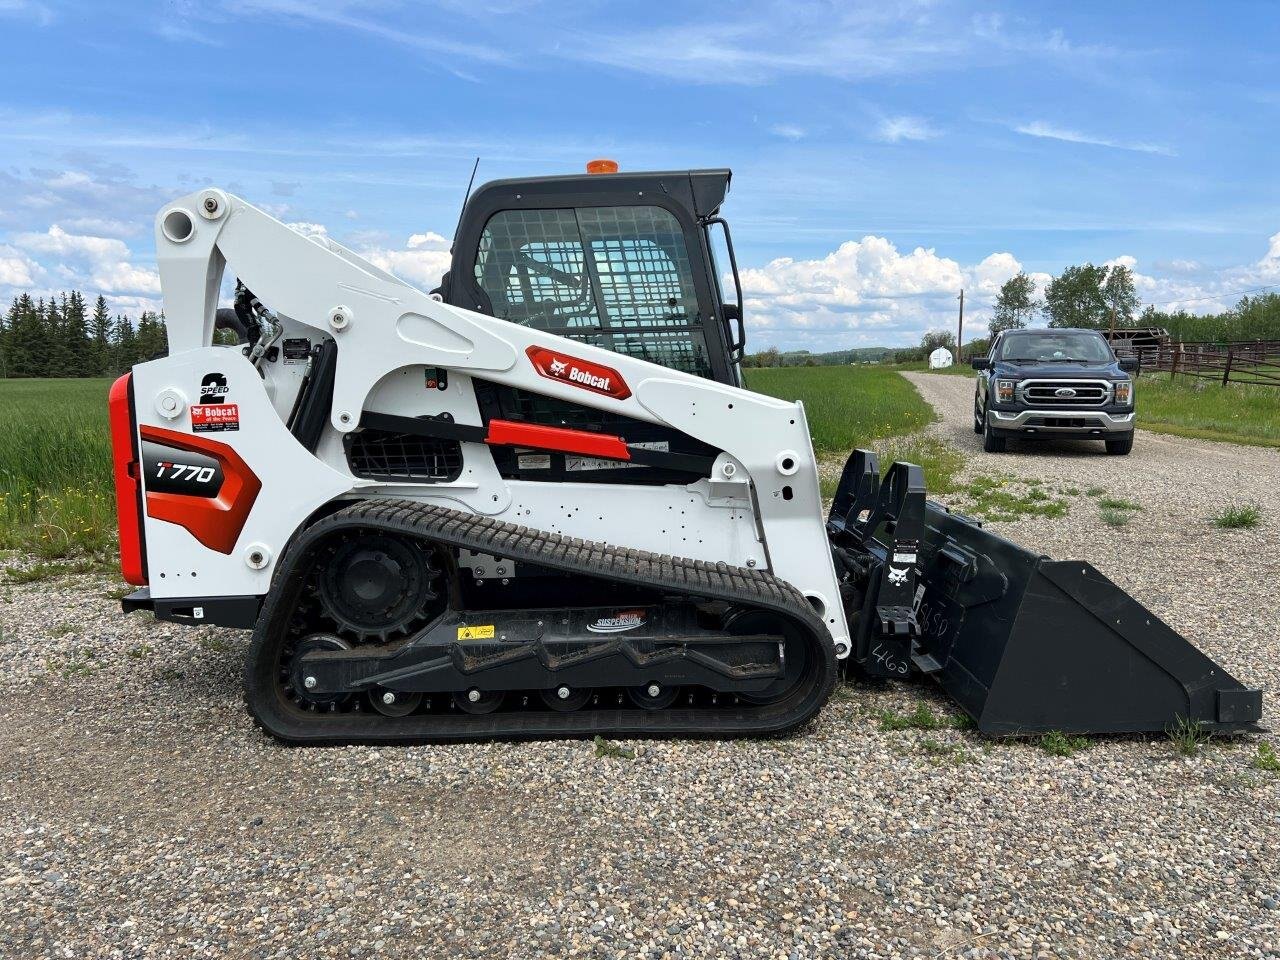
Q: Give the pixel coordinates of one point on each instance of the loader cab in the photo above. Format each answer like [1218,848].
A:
[623,261]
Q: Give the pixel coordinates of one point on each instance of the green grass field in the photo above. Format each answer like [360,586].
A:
[56,495]
[862,406]
[847,406]
[1191,407]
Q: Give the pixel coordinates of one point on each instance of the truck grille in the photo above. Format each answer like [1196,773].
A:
[1065,393]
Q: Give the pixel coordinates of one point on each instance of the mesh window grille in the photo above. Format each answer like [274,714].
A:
[530,263]
[645,276]
[635,297]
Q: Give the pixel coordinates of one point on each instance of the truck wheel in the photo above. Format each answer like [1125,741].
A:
[1121,447]
[991,441]
[977,417]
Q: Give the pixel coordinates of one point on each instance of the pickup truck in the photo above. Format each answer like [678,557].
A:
[1054,384]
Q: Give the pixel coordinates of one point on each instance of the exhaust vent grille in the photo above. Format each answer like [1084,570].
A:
[382,455]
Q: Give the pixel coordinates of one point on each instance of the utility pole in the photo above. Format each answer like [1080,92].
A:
[960,330]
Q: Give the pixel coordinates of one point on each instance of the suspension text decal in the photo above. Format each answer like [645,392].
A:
[624,620]
[586,374]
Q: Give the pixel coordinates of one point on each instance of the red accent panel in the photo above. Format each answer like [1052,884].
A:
[214,522]
[125,462]
[585,374]
[510,433]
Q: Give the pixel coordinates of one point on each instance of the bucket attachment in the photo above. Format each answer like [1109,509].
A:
[1023,643]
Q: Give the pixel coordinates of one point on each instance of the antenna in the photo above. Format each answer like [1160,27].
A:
[465,197]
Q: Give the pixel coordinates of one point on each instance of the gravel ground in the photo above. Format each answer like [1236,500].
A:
[144,816]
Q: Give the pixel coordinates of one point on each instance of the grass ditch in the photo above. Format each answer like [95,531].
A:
[863,406]
[1206,410]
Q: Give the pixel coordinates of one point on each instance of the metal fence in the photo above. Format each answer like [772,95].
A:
[1250,361]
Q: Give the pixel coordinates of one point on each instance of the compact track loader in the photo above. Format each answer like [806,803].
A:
[537,502]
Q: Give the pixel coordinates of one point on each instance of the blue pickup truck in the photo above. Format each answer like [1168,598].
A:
[1054,384]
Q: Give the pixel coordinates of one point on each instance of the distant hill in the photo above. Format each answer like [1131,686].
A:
[803,358]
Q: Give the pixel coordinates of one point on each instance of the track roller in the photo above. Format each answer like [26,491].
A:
[567,699]
[478,701]
[653,696]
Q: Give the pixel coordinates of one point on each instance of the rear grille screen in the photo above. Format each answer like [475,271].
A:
[381,455]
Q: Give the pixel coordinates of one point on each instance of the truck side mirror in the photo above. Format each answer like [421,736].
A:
[980,363]
[1130,364]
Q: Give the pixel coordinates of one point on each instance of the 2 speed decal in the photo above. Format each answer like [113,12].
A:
[213,388]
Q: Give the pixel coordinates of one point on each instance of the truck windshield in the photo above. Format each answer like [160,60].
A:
[1047,346]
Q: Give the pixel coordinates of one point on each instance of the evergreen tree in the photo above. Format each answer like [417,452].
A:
[100,333]
[75,337]
[26,338]
[125,345]
[6,325]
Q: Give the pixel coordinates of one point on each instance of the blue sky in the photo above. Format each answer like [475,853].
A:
[884,154]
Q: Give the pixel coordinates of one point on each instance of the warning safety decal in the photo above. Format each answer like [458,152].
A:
[484,632]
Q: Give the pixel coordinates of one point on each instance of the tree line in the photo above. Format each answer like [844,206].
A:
[62,337]
[1102,298]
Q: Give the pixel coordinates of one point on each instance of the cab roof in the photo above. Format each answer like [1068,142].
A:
[700,191]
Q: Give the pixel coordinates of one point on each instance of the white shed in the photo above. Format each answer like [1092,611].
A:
[941,358]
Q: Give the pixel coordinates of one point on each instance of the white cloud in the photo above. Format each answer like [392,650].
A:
[17,271]
[430,239]
[788,131]
[96,264]
[309,229]
[423,260]
[1048,131]
[867,290]
[102,225]
[58,241]
[1273,249]
[896,129]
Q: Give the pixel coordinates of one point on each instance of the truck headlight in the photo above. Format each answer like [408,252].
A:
[1004,391]
[1124,392]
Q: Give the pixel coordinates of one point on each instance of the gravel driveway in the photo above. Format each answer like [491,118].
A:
[144,816]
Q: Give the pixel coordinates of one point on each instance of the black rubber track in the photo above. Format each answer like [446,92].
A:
[740,586]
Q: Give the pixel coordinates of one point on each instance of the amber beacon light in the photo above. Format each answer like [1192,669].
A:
[602,166]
